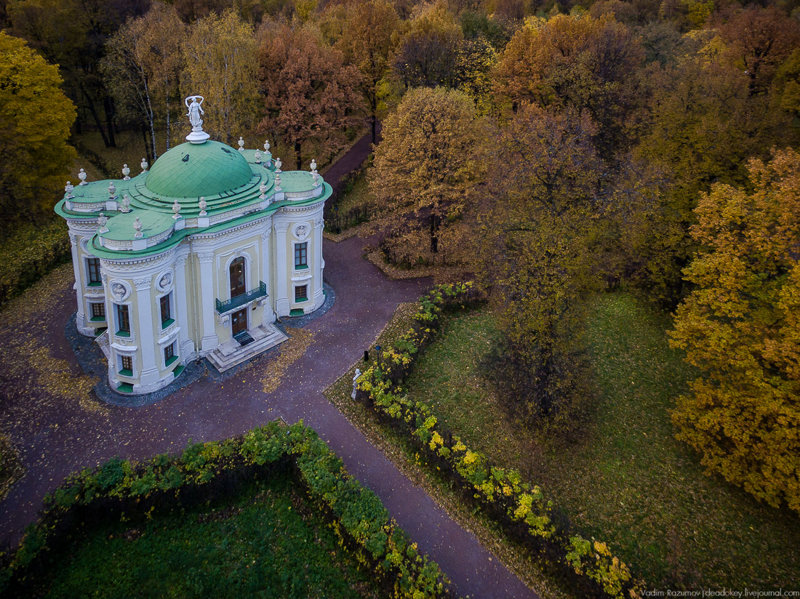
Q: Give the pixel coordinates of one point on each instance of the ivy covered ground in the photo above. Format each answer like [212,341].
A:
[627,480]
[266,543]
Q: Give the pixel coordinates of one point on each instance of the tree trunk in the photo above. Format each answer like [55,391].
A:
[297,154]
[95,116]
[108,105]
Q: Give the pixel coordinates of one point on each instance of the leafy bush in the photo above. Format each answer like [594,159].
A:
[29,254]
[120,488]
[517,504]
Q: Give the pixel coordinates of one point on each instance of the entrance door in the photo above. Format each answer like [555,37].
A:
[239,321]
[237,277]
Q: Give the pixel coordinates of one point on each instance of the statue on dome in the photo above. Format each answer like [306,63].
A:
[195,110]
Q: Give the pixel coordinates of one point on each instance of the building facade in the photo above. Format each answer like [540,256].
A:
[196,256]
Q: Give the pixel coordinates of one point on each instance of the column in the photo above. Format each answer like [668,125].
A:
[318,296]
[80,317]
[180,293]
[150,352]
[207,305]
[281,270]
[266,276]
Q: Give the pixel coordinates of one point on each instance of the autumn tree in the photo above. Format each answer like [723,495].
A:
[538,228]
[741,329]
[758,39]
[427,53]
[366,42]
[35,120]
[220,58]
[142,67]
[308,93]
[577,63]
[426,164]
[72,34]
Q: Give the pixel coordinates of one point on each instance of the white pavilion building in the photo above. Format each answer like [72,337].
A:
[197,256]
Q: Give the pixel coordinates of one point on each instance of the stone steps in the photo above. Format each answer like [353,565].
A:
[232,353]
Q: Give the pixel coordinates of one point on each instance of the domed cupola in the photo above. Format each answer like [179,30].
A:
[191,170]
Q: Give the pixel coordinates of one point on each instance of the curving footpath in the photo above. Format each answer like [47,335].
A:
[57,438]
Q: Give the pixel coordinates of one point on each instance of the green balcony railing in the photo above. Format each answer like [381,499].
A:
[241,300]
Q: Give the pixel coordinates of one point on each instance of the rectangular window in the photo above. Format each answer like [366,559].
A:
[166,311]
[93,269]
[127,365]
[301,255]
[123,321]
[169,354]
[301,293]
[98,311]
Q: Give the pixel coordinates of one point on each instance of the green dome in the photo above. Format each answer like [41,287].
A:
[194,170]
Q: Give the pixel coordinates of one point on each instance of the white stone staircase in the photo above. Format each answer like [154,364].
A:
[231,353]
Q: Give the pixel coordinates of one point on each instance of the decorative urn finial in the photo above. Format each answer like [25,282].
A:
[278,165]
[202,205]
[258,157]
[278,181]
[197,136]
[143,164]
[82,177]
[241,144]
[102,220]
[68,189]
[112,190]
[137,226]
[176,210]
[125,172]
[263,189]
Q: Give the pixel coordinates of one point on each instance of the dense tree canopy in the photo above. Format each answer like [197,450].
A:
[308,93]
[35,118]
[580,63]
[741,329]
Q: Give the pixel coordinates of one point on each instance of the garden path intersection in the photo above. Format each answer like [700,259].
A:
[56,437]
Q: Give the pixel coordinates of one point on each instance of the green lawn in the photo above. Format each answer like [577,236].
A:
[627,481]
[266,543]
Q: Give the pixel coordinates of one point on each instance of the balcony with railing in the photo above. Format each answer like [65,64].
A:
[241,300]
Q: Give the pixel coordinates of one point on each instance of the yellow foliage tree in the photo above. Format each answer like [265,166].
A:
[741,328]
[35,119]
[221,64]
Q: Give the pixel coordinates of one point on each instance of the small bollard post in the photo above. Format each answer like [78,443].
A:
[366,355]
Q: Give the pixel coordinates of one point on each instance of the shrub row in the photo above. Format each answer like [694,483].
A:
[520,506]
[29,254]
[204,471]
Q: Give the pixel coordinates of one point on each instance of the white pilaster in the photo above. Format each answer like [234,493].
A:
[180,293]
[316,258]
[207,308]
[282,270]
[77,260]
[266,276]
[144,327]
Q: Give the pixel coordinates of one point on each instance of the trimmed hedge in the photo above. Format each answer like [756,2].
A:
[120,488]
[518,505]
[29,254]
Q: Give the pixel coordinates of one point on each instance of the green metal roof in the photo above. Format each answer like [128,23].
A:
[194,170]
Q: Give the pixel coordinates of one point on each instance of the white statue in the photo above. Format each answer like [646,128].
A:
[202,205]
[126,203]
[278,165]
[112,190]
[68,189]
[355,383]
[258,157]
[241,144]
[102,220]
[176,210]
[143,164]
[195,110]
[263,189]
[137,226]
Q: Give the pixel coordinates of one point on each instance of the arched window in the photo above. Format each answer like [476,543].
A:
[238,283]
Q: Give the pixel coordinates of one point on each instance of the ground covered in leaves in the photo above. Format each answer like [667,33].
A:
[627,480]
[268,542]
